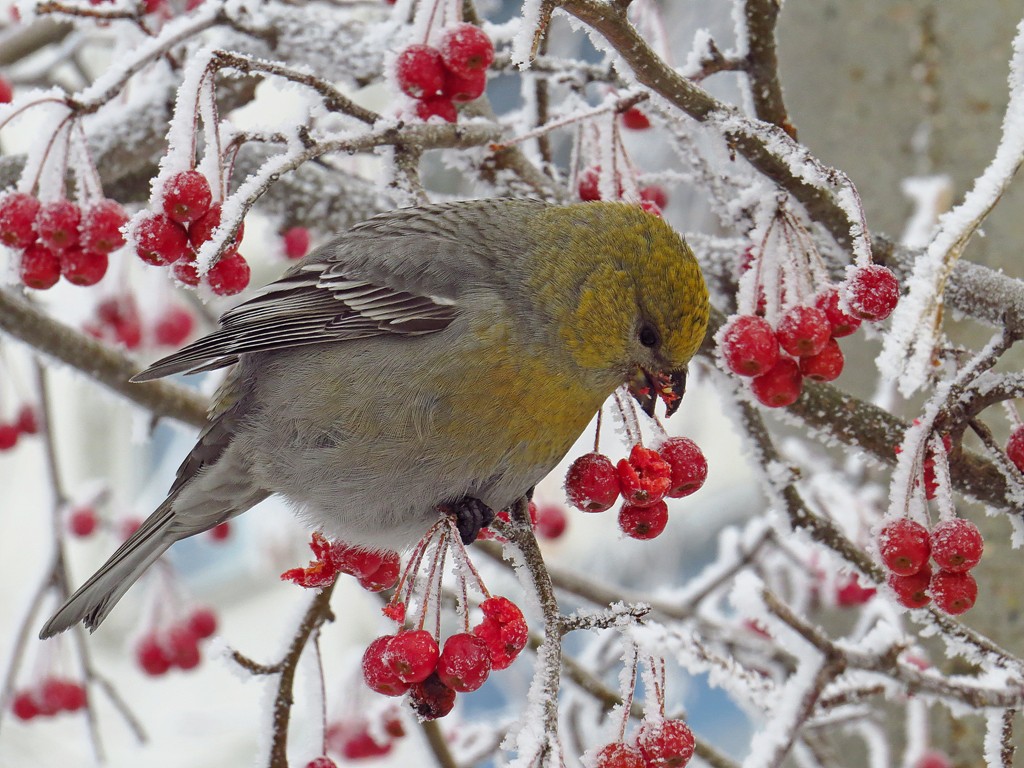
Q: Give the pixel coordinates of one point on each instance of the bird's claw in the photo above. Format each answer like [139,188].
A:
[470,516]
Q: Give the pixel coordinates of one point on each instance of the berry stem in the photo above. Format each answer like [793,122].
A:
[629,418]
[944,490]
[633,663]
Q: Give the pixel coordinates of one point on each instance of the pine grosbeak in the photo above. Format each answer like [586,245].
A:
[433,359]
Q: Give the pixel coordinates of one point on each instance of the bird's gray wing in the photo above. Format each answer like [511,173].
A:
[400,273]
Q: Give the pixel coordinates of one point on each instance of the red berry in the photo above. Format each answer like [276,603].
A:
[551,521]
[464,663]
[956,545]
[121,315]
[57,224]
[804,331]
[466,49]
[72,696]
[842,324]
[24,706]
[904,546]
[824,366]
[82,267]
[687,463]
[644,478]
[17,219]
[39,267]
[82,521]
[159,240]
[8,436]
[654,194]
[750,346]
[412,655]
[592,483]
[665,744]
[101,227]
[780,386]
[187,196]
[201,230]
[174,326]
[912,591]
[184,647]
[151,656]
[296,241]
[420,72]
[27,421]
[461,88]
[619,755]
[220,532]
[646,522]
[202,623]
[437,106]
[652,208]
[1015,447]
[432,699]
[6,91]
[230,275]
[503,629]
[953,593]
[384,577]
[588,184]
[185,271]
[321,762]
[933,759]
[361,745]
[851,592]
[635,120]
[377,672]
[872,292]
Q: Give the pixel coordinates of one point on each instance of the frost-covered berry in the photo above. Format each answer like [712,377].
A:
[646,522]
[618,755]
[412,655]
[432,699]
[653,193]
[420,71]
[18,213]
[954,593]
[201,230]
[503,629]
[587,185]
[904,546]
[665,744]
[850,592]
[57,224]
[101,226]
[160,241]
[464,663]
[466,49]
[230,275]
[803,331]
[82,267]
[750,346]
[39,267]
[956,545]
[688,465]
[592,483]
[824,366]
[842,323]
[780,386]
[378,673]
[644,478]
[912,591]
[1015,447]
[186,271]
[634,119]
[186,196]
[872,292]
[437,106]
[461,88]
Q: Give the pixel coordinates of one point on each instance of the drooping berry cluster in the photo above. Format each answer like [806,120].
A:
[677,469]
[158,651]
[954,545]
[51,696]
[187,218]
[353,740]
[375,570]
[117,320]
[59,238]
[454,72]
[24,422]
[658,744]
[412,662]
[804,341]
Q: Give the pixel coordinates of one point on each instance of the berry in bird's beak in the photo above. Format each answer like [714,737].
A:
[647,386]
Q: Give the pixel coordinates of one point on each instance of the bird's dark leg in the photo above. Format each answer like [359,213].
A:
[470,516]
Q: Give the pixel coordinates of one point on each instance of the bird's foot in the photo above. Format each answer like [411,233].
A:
[470,516]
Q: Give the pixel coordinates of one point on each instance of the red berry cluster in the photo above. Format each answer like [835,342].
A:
[456,71]
[803,344]
[659,744]
[188,219]
[51,696]
[411,660]
[60,238]
[158,651]
[353,740]
[375,570]
[25,422]
[677,469]
[117,320]
[653,198]
[954,545]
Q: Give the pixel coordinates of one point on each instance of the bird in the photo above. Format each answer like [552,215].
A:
[436,359]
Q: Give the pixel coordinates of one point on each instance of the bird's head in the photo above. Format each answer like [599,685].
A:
[627,297]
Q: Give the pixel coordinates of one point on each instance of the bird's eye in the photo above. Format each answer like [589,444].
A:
[648,336]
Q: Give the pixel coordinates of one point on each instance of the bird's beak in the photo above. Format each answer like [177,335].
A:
[647,387]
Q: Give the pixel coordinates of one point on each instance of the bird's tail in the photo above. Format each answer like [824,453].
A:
[95,599]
